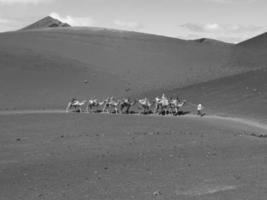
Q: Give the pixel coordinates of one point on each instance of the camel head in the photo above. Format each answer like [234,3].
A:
[158,100]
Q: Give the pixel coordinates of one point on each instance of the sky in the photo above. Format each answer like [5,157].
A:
[227,20]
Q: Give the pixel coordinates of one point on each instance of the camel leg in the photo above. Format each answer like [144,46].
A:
[146,109]
[87,108]
[116,110]
[68,107]
[96,109]
[128,109]
[176,111]
[141,108]
[90,108]
[160,110]
[164,110]
[121,109]
[75,108]
[155,109]
[107,109]
[104,108]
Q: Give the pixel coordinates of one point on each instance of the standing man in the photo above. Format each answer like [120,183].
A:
[200,109]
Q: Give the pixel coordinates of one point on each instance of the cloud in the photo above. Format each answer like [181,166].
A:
[227,32]
[74,21]
[4,21]
[8,24]
[211,27]
[228,28]
[127,25]
[10,2]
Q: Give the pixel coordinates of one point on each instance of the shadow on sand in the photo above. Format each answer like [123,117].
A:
[131,112]
[181,113]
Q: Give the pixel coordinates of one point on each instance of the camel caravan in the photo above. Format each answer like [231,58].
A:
[161,106]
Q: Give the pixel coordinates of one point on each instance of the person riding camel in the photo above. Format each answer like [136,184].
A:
[163,97]
[73,100]
[125,100]
[125,105]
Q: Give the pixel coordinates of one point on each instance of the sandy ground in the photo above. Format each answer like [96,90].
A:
[85,156]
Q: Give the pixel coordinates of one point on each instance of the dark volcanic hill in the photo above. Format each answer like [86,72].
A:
[47,22]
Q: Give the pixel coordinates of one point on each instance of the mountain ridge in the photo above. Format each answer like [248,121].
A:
[46,22]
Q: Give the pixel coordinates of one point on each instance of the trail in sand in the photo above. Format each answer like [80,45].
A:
[205,189]
[239,121]
[16,112]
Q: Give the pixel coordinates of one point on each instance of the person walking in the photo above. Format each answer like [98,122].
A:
[200,108]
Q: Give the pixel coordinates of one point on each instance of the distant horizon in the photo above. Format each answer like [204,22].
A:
[230,21]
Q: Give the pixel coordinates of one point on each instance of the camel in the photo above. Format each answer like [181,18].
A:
[75,105]
[165,106]
[161,105]
[93,103]
[111,103]
[176,104]
[126,104]
[145,104]
[157,105]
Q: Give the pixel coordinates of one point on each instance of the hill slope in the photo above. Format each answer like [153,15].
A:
[252,52]
[258,42]
[127,62]
[43,68]
[243,95]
